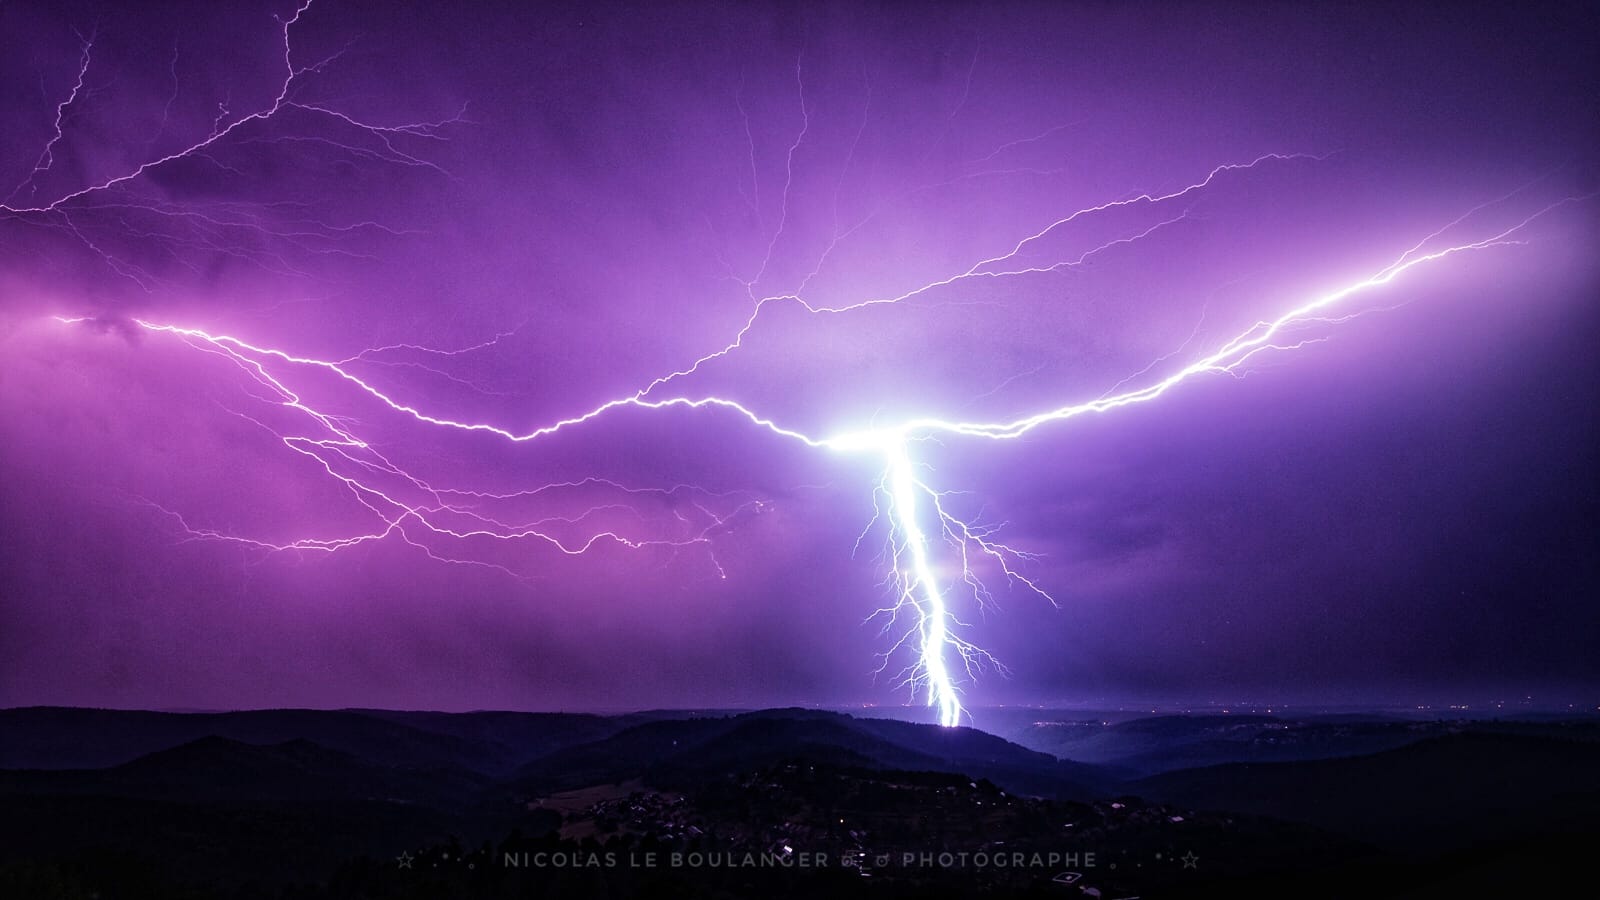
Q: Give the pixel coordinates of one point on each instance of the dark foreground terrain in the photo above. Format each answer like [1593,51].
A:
[787,803]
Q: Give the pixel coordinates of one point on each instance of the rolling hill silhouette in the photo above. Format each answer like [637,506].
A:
[696,748]
[490,742]
[281,796]
[1443,792]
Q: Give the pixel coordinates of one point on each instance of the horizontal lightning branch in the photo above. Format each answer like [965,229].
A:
[418,512]
[923,537]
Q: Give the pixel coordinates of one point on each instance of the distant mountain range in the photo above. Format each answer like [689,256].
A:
[1444,792]
[1163,743]
[691,749]
[334,785]
[45,737]
[536,751]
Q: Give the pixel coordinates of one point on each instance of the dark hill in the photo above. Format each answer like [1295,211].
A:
[1434,794]
[514,737]
[59,738]
[488,742]
[220,811]
[223,772]
[698,748]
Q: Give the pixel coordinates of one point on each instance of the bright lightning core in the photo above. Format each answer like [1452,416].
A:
[915,519]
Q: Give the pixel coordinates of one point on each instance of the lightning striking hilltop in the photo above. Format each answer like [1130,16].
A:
[908,504]
[932,556]
[919,588]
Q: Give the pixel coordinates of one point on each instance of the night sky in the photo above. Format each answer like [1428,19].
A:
[508,217]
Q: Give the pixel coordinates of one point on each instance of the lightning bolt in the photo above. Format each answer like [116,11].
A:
[208,227]
[919,587]
[910,507]
[577,517]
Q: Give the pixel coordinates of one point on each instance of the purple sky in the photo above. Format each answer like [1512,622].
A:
[1402,508]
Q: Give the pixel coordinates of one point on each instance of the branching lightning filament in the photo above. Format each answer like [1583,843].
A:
[932,554]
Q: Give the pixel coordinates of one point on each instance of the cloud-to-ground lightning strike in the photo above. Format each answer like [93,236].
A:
[920,585]
[916,521]
[910,501]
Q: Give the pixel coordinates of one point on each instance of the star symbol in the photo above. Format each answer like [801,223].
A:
[405,859]
[1190,861]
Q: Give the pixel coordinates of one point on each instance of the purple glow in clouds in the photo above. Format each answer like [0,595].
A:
[639,329]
